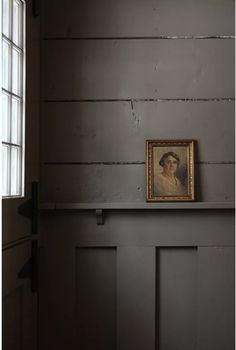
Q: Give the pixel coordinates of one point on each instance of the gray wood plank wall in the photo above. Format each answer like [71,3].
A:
[74,18]
[115,73]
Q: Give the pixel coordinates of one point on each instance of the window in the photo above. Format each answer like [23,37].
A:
[13,97]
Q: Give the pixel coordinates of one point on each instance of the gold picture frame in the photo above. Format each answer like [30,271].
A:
[170,170]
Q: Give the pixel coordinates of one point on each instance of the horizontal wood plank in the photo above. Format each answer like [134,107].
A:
[126,183]
[71,18]
[116,131]
[122,69]
[139,206]
[140,228]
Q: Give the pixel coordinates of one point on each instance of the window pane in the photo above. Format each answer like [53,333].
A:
[13,14]
[17,23]
[15,171]
[16,72]
[5,170]
[16,121]
[6,17]
[5,65]
[5,118]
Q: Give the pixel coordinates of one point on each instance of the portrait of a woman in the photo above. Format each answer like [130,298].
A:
[170,170]
[166,183]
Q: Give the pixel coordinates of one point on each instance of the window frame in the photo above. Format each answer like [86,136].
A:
[20,96]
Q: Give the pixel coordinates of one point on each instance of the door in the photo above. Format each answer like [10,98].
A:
[19,242]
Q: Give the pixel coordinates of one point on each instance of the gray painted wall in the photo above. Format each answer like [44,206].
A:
[113,75]
[121,73]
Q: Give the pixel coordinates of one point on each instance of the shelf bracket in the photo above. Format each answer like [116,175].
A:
[100,217]
[29,209]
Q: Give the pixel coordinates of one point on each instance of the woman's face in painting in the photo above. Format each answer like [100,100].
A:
[170,165]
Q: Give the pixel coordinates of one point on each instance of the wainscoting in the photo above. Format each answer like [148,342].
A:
[145,279]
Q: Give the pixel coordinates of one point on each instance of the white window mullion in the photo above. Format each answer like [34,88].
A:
[10,88]
[15,170]
[23,104]
[13,94]
[5,170]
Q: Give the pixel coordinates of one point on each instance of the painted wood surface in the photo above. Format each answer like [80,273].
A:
[12,320]
[19,303]
[139,228]
[12,267]
[130,63]
[33,78]
[136,298]
[216,270]
[162,289]
[126,183]
[96,284]
[116,131]
[15,226]
[177,298]
[57,322]
[71,18]
[120,69]
[93,206]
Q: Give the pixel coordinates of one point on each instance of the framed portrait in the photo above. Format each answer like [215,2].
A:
[170,170]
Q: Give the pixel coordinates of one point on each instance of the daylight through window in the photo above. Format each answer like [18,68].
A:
[13,97]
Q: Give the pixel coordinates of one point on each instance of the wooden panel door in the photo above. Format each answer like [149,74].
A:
[20,304]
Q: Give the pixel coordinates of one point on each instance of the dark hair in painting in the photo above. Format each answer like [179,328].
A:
[166,155]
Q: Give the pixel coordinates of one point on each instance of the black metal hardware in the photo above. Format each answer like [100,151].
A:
[34,196]
[26,270]
[35,266]
[29,209]
[31,268]
[100,217]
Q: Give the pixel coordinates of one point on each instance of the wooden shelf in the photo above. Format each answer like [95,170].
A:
[137,206]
